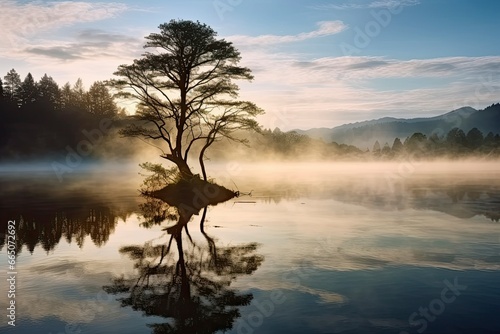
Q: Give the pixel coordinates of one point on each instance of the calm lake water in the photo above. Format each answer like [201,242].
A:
[307,248]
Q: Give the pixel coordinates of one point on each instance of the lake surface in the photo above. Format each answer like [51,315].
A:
[307,248]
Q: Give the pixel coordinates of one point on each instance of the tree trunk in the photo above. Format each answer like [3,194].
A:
[202,154]
[184,169]
[202,220]
[181,165]
[202,165]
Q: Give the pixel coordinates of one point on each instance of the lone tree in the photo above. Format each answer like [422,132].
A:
[185,93]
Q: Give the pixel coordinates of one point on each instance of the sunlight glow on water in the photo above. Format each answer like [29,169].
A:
[345,249]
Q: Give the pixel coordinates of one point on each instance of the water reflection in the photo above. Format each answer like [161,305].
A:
[46,228]
[462,199]
[374,251]
[189,283]
[461,196]
[46,211]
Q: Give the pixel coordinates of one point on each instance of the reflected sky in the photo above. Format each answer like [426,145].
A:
[349,250]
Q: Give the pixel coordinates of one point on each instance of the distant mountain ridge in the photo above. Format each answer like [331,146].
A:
[386,129]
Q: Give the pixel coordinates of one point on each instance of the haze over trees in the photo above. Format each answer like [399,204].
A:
[39,119]
[185,92]
[456,143]
[363,134]
[46,95]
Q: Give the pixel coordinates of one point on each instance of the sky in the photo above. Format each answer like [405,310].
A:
[317,63]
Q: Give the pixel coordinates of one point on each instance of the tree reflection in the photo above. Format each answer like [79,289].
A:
[47,211]
[188,284]
[45,227]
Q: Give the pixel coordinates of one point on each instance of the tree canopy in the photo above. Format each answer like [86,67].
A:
[39,119]
[185,92]
[12,85]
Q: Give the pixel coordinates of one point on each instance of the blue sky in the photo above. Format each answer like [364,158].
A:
[317,63]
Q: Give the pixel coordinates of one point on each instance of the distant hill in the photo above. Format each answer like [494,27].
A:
[364,134]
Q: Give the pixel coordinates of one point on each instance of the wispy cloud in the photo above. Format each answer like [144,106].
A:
[101,36]
[382,67]
[369,5]
[335,90]
[21,20]
[33,31]
[90,58]
[87,44]
[57,52]
[91,44]
[325,28]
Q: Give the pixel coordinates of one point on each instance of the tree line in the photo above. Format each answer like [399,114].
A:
[39,119]
[294,146]
[269,144]
[455,143]
[46,94]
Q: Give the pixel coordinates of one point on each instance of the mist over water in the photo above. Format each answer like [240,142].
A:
[320,180]
[352,246]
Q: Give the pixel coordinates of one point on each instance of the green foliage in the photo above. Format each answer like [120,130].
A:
[454,144]
[78,97]
[12,86]
[48,92]
[185,91]
[397,146]
[287,142]
[415,144]
[294,146]
[158,176]
[39,119]
[386,150]
[187,292]
[156,211]
[29,91]
[100,101]
[66,97]
[45,95]
[456,138]
[474,139]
